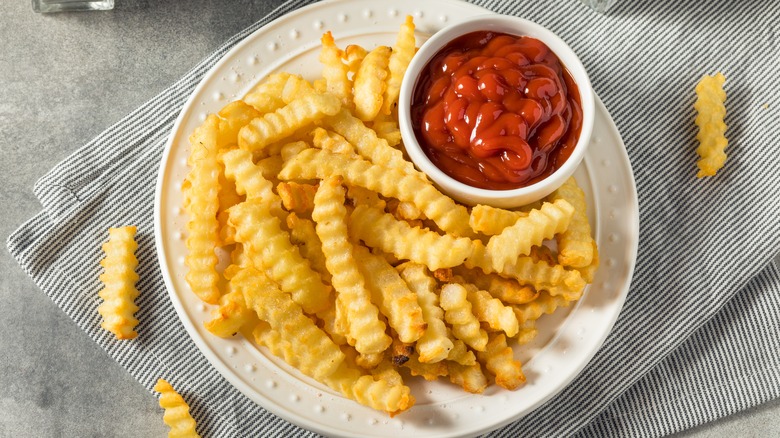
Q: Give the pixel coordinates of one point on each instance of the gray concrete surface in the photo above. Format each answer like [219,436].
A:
[63,79]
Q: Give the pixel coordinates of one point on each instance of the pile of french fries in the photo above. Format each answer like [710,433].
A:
[346,261]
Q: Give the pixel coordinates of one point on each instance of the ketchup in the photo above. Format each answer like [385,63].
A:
[496,111]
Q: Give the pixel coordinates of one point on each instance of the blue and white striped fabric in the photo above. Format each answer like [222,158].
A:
[697,338]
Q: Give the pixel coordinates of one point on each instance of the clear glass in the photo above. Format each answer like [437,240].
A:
[601,6]
[71,5]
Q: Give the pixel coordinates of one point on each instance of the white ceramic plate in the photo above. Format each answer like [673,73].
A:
[568,339]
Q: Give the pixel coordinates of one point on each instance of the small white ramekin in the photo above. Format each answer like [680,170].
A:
[464,192]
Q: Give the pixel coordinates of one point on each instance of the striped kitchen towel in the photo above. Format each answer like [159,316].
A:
[698,336]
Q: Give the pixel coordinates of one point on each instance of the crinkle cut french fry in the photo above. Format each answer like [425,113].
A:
[711,110]
[470,378]
[403,50]
[353,56]
[386,128]
[292,149]
[539,274]
[232,314]
[331,141]
[297,87]
[460,353]
[575,244]
[507,290]
[304,236]
[542,253]
[589,272]
[435,344]
[118,278]
[491,310]
[540,224]
[393,296]
[498,358]
[382,230]
[177,412]
[203,227]
[545,304]
[316,354]
[366,330]
[334,70]
[368,144]
[269,248]
[369,83]
[266,96]
[390,182]
[298,198]
[249,180]
[363,196]
[459,315]
[428,371]
[491,220]
[376,394]
[232,118]
[299,113]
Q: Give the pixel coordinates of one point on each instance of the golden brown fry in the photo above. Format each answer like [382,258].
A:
[498,358]
[470,377]
[390,182]
[392,295]
[575,244]
[539,274]
[711,111]
[275,126]
[540,224]
[403,50]
[304,236]
[366,330]
[177,412]
[542,253]
[435,344]
[545,304]
[491,220]
[331,141]
[459,315]
[313,352]
[386,128]
[428,371]
[460,353]
[334,71]
[298,198]
[363,196]
[203,227]
[248,178]
[507,290]
[491,310]
[589,272]
[353,56]
[118,278]
[376,394]
[297,87]
[369,83]
[269,248]
[368,144]
[382,230]
[266,96]
[232,118]
[232,314]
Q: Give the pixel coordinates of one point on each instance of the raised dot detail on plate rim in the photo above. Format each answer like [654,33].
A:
[346,417]
[295,34]
[218,96]
[295,397]
[392,12]
[318,24]
[612,188]
[444,18]
[202,117]
[181,260]
[605,162]
[273,46]
[613,238]
[319,409]
[342,17]
[201,307]
[253,60]
[418,13]
[368,13]
[271,384]
[231,350]
[249,368]
[373,421]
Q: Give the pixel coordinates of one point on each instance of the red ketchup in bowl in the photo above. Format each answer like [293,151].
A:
[496,111]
